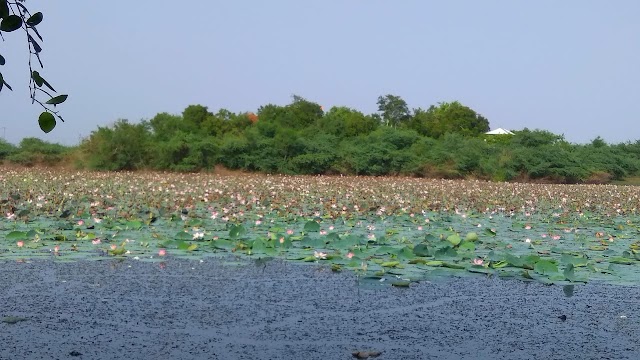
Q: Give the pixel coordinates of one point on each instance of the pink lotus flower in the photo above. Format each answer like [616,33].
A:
[556,237]
[11,216]
[349,255]
[80,222]
[478,262]
[320,255]
[528,227]
[162,252]
[113,246]
[258,222]
[419,228]
[281,240]
[56,249]
[96,241]
[323,232]
[20,243]
[331,227]
[289,232]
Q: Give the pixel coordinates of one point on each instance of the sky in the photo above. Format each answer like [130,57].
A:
[571,67]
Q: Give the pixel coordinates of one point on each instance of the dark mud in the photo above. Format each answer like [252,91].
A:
[186,309]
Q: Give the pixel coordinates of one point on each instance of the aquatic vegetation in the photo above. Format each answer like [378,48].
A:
[398,230]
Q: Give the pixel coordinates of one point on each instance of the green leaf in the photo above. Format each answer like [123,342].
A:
[434,263]
[13,319]
[182,235]
[46,121]
[16,235]
[621,261]
[454,239]
[237,231]
[182,245]
[499,264]
[192,247]
[405,253]
[135,225]
[36,47]
[453,266]
[317,243]
[401,283]
[222,244]
[4,9]
[11,23]
[37,78]
[390,264]
[421,250]
[259,246]
[569,273]
[35,19]
[573,260]
[471,236]
[311,226]
[57,100]
[467,246]
[545,267]
[446,253]
[118,251]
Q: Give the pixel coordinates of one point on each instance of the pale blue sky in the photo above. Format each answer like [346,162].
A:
[570,66]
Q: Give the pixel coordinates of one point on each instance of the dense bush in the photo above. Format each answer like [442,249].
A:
[446,141]
[6,149]
[33,151]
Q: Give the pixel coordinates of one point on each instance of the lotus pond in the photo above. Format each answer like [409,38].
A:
[387,230]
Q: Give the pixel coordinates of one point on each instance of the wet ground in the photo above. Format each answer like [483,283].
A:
[187,309]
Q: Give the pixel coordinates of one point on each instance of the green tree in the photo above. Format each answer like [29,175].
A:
[164,125]
[305,112]
[225,122]
[535,138]
[394,110]
[446,118]
[317,156]
[123,146]
[194,116]
[14,15]
[299,114]
[186,152]
[6,149]
[343,121]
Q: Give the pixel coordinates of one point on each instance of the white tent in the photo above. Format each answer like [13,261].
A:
[499,131]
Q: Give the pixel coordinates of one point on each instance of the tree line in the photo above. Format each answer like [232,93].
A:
[446,140]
